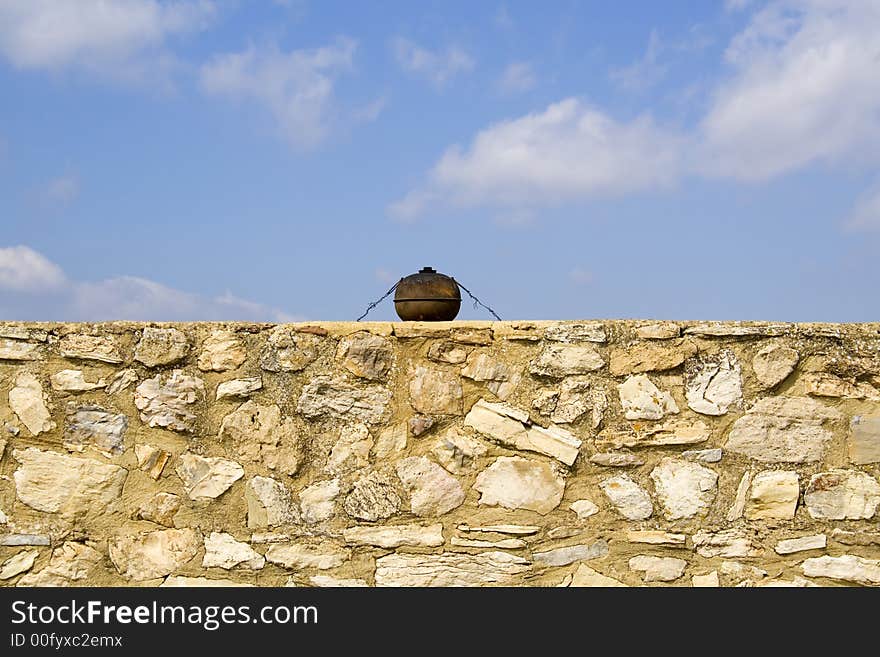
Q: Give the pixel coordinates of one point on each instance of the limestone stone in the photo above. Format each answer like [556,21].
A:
[74,381]
[642,400]
[503,544]
[178,581]
[56,483]
[269,503]
[545,402]
[223,551]
[366,355]
[842,494]
[69,563]
[739,570]
[670,432]
[517,483]
[684,489]
[19,350]
[864,439]
[703,455]
[457,452]
[419,424]
[564,556]
[90,347]
[557,361]
[713,384]
[15,540]
[728,543]
[774,494]
[222,351]
[653,537]
[27,401]
[627,497]
[391,441]
[739,501]
[449,569]
[289,351]
[472,335]
[498,377]
[650,357]
[707,580]
[237,388]
[801,544]
[206,477]
[160,508]
[317,501]
[515,530]
[584,508]
[783,430]
[19,563]
[658,331]
[92,426]
[433,390]
[510,427]
[161,346]
[564,531]
[325,396]
[153,554]
[259,433]
[151,459]
[576,397]
[304,555]
[326,581]
[773,364]
[122,381]
[847,567]
[579,332]
[351,451]
[167,401]
[432,490]
[658,569]
[585,576]
[616,459]
[855,538]
[394,536]
[373,498]
[797,582]
[735,329]
[822,384]
[448,352]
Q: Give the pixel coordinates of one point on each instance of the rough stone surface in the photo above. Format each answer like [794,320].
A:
[153,554]
[17,564]
[160,346]
[773,364]
[517,483]
[151,459]
[783,430]
[27,401]
[92,426]
[449,569]
[650,357]
[122,381]
[221,351]
[69,564]
[703,455]
[821,384]
[303,555]
[705,581]
[90,347]
[223,551]
[458,452]
[395,536]
[18,350]
[560,360]
[289,351]
[774,494]
[585,576]
[337,398]
[448,352]
[627,497]
[432,490]
[269,503]
[842,494]
[259,433]
[658,569]
[584,508]
[391,441]
[433,390]
[642,400]
[580,332]
[351,451]
[169,401]
[373,497]
[684,489]
[366,355]
[498,377]
[729,543]
[713,384]
[848,567]
[864,439]
[653,537]
[207,477]
[160,509]
[616,459]
[55,483]
[739,501]
[566,555]
[74,381]
[801,544]
[237,388]
[318,501]
[671,432]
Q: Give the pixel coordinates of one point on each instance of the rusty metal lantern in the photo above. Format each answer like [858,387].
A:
[427,296]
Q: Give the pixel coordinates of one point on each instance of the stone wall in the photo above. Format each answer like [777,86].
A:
[616,453]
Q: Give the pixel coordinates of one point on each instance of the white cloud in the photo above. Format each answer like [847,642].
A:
[804,89]
[645,72]
[24,270]
[865,214]
[438,67]
[518,77]
[570,151]
[38,288]
[296,86]
[105,36]
[736,5]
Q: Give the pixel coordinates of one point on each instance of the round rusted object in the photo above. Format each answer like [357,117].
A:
[427,296]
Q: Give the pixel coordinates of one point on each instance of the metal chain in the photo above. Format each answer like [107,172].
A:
[477,301]
[378,301]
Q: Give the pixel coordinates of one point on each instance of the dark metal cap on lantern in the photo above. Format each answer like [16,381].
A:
[427,296]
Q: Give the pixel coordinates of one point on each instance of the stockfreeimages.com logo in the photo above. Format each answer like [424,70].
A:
[210,617]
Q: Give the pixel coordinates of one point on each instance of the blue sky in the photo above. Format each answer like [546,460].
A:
[276,161]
